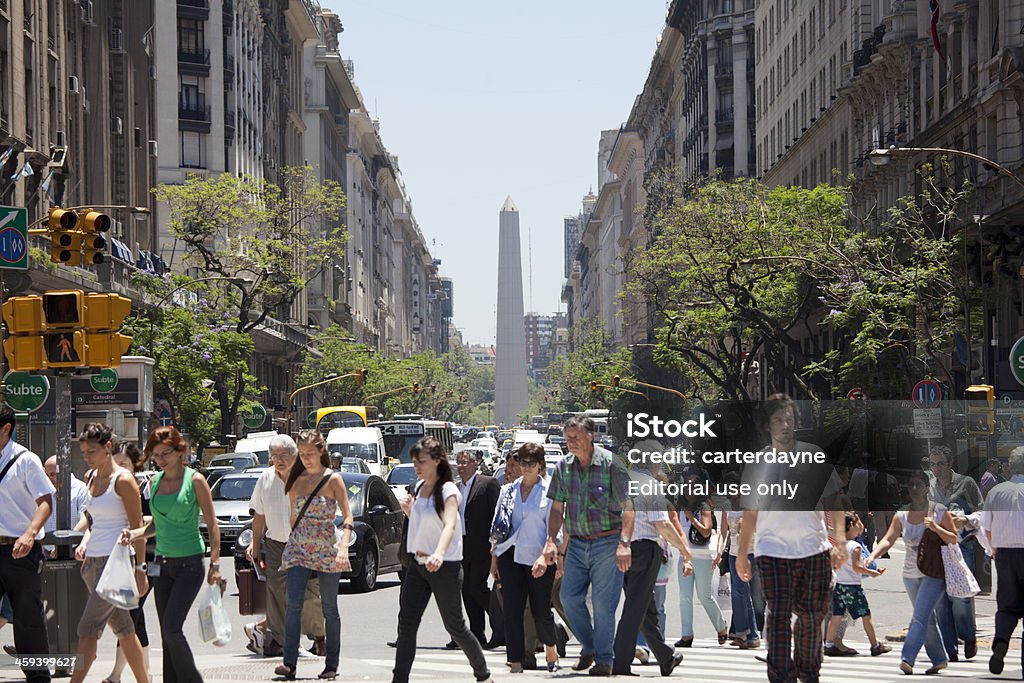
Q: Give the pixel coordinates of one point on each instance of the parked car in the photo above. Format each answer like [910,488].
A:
[378,532]
[400,477]
[219,465]
[231,494]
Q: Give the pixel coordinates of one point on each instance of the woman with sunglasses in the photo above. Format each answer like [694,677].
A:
[518,561]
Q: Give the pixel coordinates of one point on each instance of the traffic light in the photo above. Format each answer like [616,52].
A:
[94,223]
[593,386]
[65,349]
[104,315]
[415,387]
[615,382]
[980,399]
[63,314]
[65,241]
[360,376]
[25,325]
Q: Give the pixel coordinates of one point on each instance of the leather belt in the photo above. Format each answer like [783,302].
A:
[594,537]
[8,540]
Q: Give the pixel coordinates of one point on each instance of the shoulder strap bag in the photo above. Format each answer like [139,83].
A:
[309,499]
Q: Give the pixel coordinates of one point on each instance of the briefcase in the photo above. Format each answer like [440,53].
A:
[252,593]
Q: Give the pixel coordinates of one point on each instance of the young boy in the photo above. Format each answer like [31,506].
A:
[848,595]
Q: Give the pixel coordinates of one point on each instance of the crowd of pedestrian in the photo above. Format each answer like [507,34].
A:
[562,550]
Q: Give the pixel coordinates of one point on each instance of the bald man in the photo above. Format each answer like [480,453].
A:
[79,493]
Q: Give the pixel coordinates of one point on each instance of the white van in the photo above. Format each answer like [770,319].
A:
[528,436]
[258,443]
[365,443]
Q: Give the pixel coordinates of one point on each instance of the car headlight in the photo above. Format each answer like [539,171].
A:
[245,538]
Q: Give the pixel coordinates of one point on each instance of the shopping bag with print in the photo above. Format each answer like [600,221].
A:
[117,582]
[214,625]
[960,581]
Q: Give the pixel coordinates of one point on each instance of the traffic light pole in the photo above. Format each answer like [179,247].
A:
[65,427]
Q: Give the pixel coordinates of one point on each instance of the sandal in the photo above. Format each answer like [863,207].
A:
[286,672]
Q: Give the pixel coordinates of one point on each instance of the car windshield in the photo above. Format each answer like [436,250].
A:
[234,488]
[363,451]
[349,466]
[238,463]
[401,476]
[355,496]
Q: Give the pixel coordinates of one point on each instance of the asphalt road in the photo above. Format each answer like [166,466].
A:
[369,620]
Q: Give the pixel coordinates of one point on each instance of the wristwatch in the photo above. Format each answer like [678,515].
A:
[143,567]
[624,541]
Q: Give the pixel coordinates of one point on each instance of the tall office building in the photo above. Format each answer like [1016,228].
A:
[510,395]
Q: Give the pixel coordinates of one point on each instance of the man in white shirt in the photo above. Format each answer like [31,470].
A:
[79,494]
[272,516]
[1003,521]
[26,498]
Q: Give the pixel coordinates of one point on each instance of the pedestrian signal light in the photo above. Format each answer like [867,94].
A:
[63,308]
[65,349]
[980,399]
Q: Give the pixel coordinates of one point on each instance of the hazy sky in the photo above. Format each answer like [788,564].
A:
[481,100]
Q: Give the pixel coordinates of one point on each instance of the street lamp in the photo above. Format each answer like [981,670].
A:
[882,156]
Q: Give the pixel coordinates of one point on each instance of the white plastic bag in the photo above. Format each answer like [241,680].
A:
[117,582]
[214,624]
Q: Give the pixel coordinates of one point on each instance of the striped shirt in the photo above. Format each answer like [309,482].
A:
[593,496]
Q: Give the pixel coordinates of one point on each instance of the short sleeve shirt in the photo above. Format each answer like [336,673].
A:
[24,483]
[270,500]
[594,495]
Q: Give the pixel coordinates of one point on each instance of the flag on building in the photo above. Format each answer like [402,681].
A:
[23,173]
[933,5]
[6,155]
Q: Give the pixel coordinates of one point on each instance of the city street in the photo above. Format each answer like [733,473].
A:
[369,621]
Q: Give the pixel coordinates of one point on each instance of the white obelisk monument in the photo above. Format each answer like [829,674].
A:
[510,393]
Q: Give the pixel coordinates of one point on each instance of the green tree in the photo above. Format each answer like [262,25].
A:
[268,241]
[594,357]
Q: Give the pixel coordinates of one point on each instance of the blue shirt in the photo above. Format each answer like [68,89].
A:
[529,521]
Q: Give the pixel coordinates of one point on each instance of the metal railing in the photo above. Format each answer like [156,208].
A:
[193,112]
[723,114]
[229,63]
[194,56]
[202,4]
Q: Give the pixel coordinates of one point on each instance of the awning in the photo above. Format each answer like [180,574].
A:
[121,252]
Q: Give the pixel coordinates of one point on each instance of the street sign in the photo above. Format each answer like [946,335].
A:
[104,382]
[25,392]
[927,394]
[928,423]
[1017,360]
[311,420]
[13,238]
[856,394]
[254,417]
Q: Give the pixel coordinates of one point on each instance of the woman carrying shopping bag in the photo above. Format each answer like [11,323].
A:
[177,494]
[113,503]
[315,494]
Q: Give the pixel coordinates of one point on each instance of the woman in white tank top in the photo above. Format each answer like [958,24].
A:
[113,504]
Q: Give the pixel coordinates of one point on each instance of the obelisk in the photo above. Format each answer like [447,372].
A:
[510,393]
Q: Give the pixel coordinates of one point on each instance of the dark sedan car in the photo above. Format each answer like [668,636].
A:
[378,521]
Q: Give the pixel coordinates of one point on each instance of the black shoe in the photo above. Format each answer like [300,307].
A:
[451,645]
[685,642]
[667,669]
[999,648]
[328,674]
[953,657]
[970,649]
[583,663]
[392,643]
[286,673]
[601,670]
[530,664]
[493,644]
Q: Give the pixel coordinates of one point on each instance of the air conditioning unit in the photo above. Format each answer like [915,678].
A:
[73,84]
[116,42]
[87,14]
[152,147]
[60,139]
[116,125]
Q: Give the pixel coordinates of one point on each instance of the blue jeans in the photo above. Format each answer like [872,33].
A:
[955,616]
[699,581]
[744,619]
[298,577]
[660,593]
[592,564]
[925,593]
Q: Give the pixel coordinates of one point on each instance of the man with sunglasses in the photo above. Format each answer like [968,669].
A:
[961,495]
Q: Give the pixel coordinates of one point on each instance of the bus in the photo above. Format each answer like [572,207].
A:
[401,435]
[335,417]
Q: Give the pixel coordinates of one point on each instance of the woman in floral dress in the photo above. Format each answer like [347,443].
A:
[315,494]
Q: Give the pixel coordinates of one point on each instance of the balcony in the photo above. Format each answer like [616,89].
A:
[194,116]
[723,69]
[229,124]
[724,115]
[194,9]
[229,65]
[195,62]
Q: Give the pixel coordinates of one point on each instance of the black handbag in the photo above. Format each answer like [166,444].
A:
[695,536]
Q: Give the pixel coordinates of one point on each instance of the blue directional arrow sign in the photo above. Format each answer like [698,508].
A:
[13,238]
[927,394]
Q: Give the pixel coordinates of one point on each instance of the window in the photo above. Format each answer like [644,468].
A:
[193,149]
[190,36]
[190,93]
